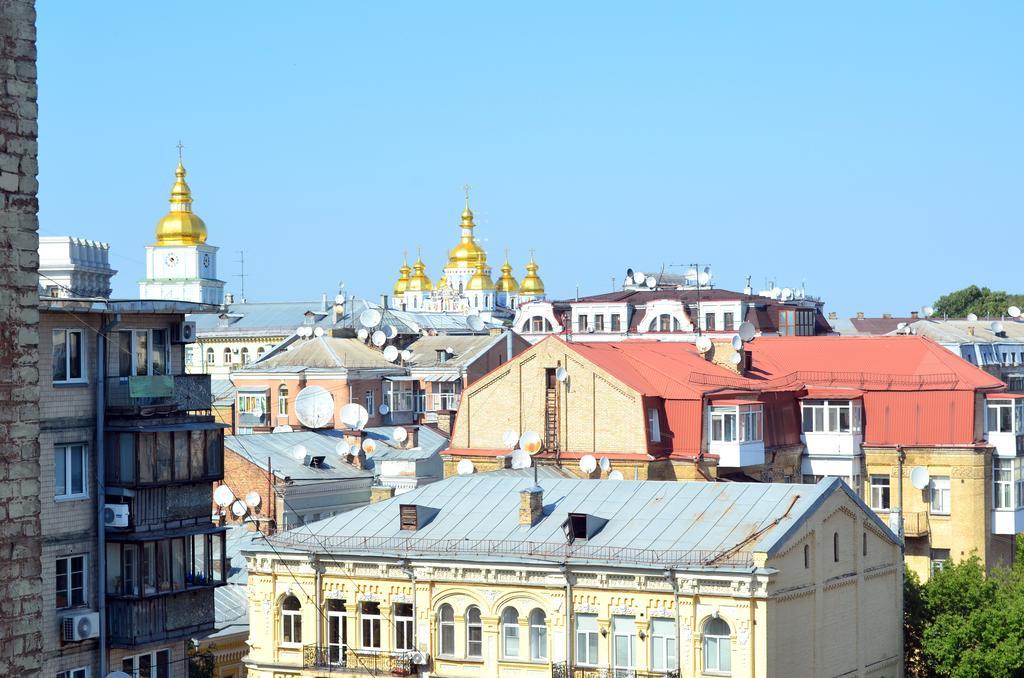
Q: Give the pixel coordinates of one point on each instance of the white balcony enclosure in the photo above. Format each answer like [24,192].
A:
[735,433]
[1004,424]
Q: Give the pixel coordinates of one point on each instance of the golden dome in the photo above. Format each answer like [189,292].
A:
[532,284]
[419,281]
[180,226]
[481,280]
[467,252]
[403,279]
[506,283]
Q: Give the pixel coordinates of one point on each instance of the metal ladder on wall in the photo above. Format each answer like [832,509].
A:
[551,419]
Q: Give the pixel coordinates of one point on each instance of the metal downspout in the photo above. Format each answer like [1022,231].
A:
[568,620]
[671,575]
[101,531]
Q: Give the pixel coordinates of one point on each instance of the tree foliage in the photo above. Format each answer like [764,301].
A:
[982,301]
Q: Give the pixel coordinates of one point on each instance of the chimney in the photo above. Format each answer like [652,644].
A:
[887,316]
[723,354]
[913,314]
[531,505]
[383,301]
[413,439]
[970,330]
[860,315]
[229,298]
[380,493]
[832,315]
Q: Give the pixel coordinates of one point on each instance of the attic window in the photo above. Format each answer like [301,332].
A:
[314,461]
[582,526]
[412,517]
[442,355]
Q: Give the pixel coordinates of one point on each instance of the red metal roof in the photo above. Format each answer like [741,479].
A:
[1004,396]
[824,393]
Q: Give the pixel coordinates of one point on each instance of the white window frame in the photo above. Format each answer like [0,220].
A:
[1000,413]
[446,626]
[715,668]
[135,332]
[82,560]
[247,403]
[721,415]
[282,400]
[66,450]
[624,628]
[403,626]
[80,672]
[82,353]
[369,401]
[587,639]
[751,421]
[653,424]
[510,631]
[668,658]
[369,625]
[474,626]
[288,624]
[211,356]
[538,635]
[940,499]
[133,669]
[824,416]
[880,493]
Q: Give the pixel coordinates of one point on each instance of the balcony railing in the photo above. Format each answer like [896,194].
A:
[159,394]
[562,670]
[915,524]
[343,659]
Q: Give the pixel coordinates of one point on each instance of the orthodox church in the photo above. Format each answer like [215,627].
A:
[181,265]
[466,285]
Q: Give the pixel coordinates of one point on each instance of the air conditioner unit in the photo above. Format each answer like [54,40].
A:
[80,626]
[115,515]
[420,658]
[185,333]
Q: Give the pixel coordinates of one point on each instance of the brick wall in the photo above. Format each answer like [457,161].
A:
[243,476]
[20,580]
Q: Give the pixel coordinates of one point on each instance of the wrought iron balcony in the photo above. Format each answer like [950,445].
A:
[346,661]
[563,670]
[161,394]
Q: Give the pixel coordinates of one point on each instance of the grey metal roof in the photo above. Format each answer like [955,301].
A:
[649,523]
[466,349]
[409,322]
[324,353]
[280,449]
[544,472]
[260,318]
[958,331]
[230,602]
[428,443]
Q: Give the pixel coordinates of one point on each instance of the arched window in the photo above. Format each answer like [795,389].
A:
[211,357]
[665,323]
[245,355]
[282,401]
[227,356]
[717,646]
[807,556]
[510,632]
[538,635]
[291,621]
[474,633]
[259,352]
[446,621]
[835,546]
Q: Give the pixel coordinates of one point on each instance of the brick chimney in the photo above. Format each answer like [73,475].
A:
[723,354]
[832,315]
[380,493]
[860,315]
[913,314]
[887,316]
[531,506]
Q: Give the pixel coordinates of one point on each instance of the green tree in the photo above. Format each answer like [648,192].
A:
[913,624]
[979,300]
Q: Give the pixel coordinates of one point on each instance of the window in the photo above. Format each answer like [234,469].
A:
[538,324]
[938,558]
[665,323]
[252,403]
[71,591]
[259,352]
[474,633]
[616,322]
[510,632]
[211,357]
[291,621]
[227,356]
[787,323]
[245,355]
[723,424]
[727,322]
[74,673]
[282,401]
[403,627]
[70,471]
[369,615]
[369,402]
[879,493]
[623,644]
[142,353]
[653,425]
[1018,481]
[538,635]
[709,322]
[581,323]
[831,416]
[599,323]
[150,665]
[864,544]
[1002,476]
[999,416]
[835,547]
[446,622]
[68,356]
[940,495]
[586,639]
[717,647]
[750,423]
[663,645]
[807,556]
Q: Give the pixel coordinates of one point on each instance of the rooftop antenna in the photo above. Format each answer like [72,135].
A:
[696,267]
[241,267]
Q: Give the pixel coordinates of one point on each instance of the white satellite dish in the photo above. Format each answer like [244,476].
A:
[1013,312]
[703,344]
[354,415]
[314,406]
[747,331]
[383,409]
[530,442]
[391,353]
[996,327]
[252,500]
[561,374]
[588,464]
[638,277]
[927,311]
[604,463]
[475,322]
[465,467]
[343,449]
[616,475]
[239,509]
[390,331]
[629,279]
[369,445]
[282,428]
[787,294]
[520,459]
[362,334]
[378,338]
[919,477]
[406,355]
[737,342]
[736,358]
[318,332]
[354,450]
[370,318]
[704,277]
[223,496]
[510,438]
[900,326]
[299,452]
[118,674]
[972,317]
[400,435]
[651,281]
[775,292]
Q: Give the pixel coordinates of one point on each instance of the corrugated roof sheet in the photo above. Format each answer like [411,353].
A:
[324,353]
[466,349]
[260,318]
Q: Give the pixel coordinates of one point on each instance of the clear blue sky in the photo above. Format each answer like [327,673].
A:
[874,150]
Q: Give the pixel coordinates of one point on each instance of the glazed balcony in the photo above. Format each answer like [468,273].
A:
[151,620]
[159,395]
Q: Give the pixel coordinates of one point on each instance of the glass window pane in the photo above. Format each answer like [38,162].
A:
[77,464]
[60,356]
[147,454]
[75,354]
[60,471]
[159,352]
[181,455]
[198,442]
[163,456]
[124,354]
[141,353]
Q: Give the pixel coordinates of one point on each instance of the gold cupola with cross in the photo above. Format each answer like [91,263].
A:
[180,226]
[467,252]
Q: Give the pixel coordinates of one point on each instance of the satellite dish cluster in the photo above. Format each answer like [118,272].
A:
[226,500]
[373,332]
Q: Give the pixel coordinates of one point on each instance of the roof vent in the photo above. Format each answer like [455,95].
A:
[582,526]
[413,516]
[313,460]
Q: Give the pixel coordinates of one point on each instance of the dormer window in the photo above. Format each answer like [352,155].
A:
[582,526]
[442,356]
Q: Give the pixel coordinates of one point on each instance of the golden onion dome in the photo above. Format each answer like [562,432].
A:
[481,280]
[506,283]
[419,281]
[403,278]
[180,226]
[467,252]
[532,284]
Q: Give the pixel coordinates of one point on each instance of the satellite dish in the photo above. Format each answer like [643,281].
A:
[775,292]
[390,331]
[378,338]
[239,509]
[787,294]
[391,354]
[450,350]
[465,467]
[561,374]
[919,477]
[736,358]
[354,450]
[972,317]
[588,464]
[383,409]
[118,674]
[616,475]
[369,445]
[1013,312]
[638,277]
[737,342]
[927,311]
[747,331]
[400,435]
[629,273]
[475,322]
[510,438]
[629,279]
[703,344]
[530,442]
[370,318]
[900,326]
[282,428]
[223,496]
[604,463]
[252,500]
[314,406]
[299,452]
[996,327]
[354,415]
[520,459]
[406,355]
[651,281]
[362,334]
[704,277]
[318,332]
[342,448]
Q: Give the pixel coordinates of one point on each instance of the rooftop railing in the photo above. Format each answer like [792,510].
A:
[345,660]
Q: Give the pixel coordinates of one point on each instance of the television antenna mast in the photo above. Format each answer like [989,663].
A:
[241,274]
